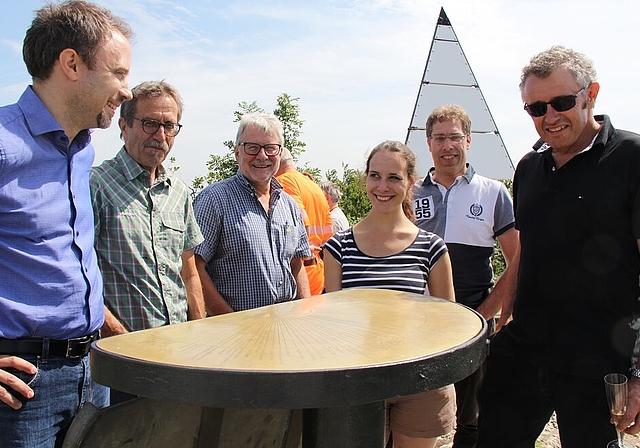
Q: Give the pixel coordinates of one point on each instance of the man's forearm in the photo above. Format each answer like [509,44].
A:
[214,303]
[193,287]
[505,288]
[302,281]
[112,326]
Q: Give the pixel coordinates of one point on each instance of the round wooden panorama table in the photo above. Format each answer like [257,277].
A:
[338,356]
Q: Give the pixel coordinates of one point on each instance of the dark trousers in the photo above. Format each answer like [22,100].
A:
[517,399]
[117,397]
[468,410]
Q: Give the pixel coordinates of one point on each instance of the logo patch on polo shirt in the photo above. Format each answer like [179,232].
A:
[475,211]
[423,208]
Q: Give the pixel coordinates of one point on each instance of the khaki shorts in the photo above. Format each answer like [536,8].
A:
[424,415]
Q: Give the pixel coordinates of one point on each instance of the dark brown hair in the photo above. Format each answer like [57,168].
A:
[76,24]
[409,157]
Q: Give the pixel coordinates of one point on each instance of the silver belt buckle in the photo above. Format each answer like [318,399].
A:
[81,340]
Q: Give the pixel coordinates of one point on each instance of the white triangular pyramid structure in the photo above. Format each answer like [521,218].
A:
[448,79]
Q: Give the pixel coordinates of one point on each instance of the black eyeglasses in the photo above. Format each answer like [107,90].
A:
[252,149]
[152,126]
[559,103]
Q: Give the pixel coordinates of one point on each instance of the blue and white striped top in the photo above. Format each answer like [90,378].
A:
[405,271]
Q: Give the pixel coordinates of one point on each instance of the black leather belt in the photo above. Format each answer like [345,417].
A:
[45,347]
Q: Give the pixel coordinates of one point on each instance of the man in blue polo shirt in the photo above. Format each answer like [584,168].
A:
[469,212]
[51,290]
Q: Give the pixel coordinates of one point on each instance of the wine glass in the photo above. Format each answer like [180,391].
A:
[616,387]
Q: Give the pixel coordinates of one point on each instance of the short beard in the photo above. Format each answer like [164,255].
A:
[102,121]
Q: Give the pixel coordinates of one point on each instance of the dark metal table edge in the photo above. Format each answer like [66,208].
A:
[289,390]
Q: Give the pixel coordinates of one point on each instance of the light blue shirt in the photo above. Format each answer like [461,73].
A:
[51,284]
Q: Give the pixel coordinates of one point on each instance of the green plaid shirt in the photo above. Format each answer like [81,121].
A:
[141,233]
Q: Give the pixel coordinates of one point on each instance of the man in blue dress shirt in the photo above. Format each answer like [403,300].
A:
[78,55]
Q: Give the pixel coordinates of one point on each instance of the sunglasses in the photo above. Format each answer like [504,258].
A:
[559,103]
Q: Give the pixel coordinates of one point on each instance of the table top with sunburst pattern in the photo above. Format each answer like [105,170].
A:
[334,335]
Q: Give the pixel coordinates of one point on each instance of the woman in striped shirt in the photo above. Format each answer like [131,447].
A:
[387,250]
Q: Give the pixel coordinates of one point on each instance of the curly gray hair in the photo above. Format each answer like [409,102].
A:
[542,64]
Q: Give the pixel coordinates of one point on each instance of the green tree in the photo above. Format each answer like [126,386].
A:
[288,111]
[218,168]
[497,260]
[354,203]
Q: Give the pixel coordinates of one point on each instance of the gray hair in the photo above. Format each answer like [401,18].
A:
[285,156]
[544,63]
[265,122]
[149,89]
[332,190]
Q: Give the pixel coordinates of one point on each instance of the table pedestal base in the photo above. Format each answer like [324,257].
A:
[360,426]
[144,422]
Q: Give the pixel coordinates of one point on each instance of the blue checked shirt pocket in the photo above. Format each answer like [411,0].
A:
[287,239]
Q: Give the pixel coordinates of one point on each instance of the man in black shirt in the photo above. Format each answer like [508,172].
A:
[577,207]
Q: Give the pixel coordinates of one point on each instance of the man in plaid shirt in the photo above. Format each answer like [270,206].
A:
[144,222]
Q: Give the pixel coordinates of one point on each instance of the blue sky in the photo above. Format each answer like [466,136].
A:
[355,65]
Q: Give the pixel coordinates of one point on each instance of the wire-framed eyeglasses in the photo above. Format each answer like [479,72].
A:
[440,139]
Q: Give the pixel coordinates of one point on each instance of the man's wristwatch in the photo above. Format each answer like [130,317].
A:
[635,373]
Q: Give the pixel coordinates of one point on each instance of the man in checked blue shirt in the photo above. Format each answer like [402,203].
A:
[254,237]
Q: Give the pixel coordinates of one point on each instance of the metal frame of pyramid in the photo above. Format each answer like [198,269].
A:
[448,79]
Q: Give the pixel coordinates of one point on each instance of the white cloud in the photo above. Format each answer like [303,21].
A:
[15,46]
[355,65]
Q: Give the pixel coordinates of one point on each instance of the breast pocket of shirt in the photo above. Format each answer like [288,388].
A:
[286,238]
[173,231]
